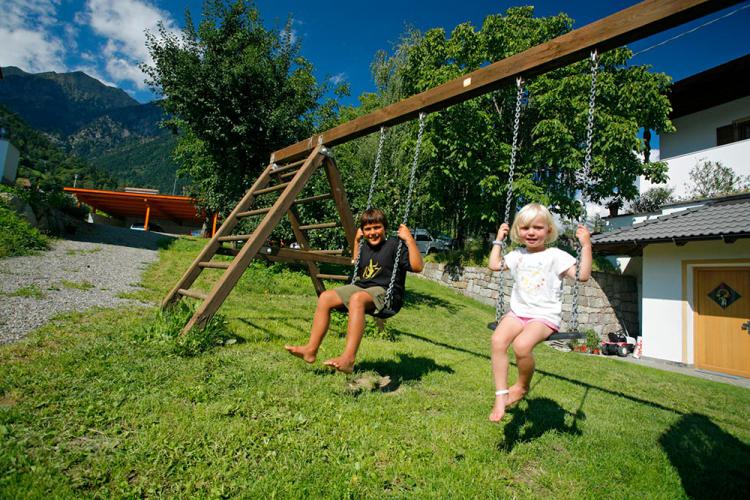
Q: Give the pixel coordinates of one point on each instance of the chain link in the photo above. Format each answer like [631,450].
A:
[500,302]
[373,180]
[584,178]
[405,219]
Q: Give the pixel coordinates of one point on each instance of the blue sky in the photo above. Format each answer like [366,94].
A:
[104,38]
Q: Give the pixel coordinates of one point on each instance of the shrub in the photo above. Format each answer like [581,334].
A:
[18,237]
[167,324]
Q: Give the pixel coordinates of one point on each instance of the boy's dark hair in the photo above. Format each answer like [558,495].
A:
[373,216]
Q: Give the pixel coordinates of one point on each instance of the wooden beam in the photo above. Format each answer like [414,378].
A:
[628,25]
[287,254]
[339,199]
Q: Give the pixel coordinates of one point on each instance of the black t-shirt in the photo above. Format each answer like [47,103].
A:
[376,266]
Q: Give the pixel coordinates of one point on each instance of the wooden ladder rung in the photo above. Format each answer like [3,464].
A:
[192,293]
[235,237]
[288,166]
[328,252]
[277,187]
[288,175]
[340,277]
[310,199]
[257,211]
[324,225]
[215,265]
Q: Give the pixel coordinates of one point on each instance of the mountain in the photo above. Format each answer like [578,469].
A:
[45,164]
[99,123]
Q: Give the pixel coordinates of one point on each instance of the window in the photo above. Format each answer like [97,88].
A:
[737,131]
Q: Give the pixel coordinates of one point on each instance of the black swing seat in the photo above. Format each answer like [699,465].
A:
[384,314]
[554,336]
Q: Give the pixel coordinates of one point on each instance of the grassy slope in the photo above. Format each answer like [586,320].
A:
[85,408]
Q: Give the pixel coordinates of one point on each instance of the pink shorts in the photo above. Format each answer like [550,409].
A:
[526,321]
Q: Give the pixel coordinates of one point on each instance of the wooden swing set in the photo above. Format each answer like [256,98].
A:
[291,168]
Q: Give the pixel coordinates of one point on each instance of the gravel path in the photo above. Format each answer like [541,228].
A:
[90,269]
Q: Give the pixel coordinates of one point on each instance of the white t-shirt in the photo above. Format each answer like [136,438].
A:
[537,291]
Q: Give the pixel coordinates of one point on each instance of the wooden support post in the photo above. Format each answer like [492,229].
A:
[213,226]
[148,214]
[339,199]
[225,284]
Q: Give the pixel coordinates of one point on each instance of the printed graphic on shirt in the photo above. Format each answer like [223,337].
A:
[532,277]
[371,270]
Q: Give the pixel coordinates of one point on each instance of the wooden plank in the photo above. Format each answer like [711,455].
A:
[277,187]
[339,251]
[236,237]
[289,254]
[339,199]
[215,265]
[312,267]
[283,203]
[257,211]
[322,225]
[285,168]
[310,199]
[212,246]
[339,277]
[626,26]
[193,294]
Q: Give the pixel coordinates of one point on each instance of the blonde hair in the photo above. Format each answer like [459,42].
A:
[526,216]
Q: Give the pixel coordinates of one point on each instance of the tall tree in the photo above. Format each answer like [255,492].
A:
[465,170]
[235,91]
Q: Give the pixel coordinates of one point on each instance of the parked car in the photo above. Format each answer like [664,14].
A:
[428,244]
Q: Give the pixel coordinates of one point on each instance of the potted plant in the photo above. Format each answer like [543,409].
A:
[593,342]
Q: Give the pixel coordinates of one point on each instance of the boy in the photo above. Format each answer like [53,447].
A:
[368,293]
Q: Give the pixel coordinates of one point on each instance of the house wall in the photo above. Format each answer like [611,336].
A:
[667,292]
[695,140]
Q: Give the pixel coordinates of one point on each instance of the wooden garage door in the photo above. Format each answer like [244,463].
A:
[722,299]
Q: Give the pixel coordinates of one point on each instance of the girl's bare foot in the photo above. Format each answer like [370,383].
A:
[341,364]
[515,394]
[498,411]
[302,351]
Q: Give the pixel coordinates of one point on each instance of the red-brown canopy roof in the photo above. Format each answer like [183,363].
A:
[120,204]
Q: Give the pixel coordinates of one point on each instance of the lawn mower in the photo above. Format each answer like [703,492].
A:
[618,343]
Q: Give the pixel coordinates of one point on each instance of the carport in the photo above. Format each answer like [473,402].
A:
[144,206]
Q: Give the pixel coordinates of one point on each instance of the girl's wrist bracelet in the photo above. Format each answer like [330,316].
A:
[497,242]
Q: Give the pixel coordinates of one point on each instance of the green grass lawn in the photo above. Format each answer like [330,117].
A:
[90,408]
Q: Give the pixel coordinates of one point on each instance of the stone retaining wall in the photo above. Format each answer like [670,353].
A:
[606,303]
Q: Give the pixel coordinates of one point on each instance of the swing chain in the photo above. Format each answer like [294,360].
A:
[374,178]
[584,176]
[500,302]
[405,219]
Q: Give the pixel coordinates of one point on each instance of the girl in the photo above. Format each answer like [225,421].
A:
[536,302]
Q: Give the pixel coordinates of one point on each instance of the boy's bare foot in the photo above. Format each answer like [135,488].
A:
[341,363]
[301,351]
[515,394]
[498,411]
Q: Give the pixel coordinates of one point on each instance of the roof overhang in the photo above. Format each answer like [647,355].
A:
[635,246]
[715,86]
[121,205]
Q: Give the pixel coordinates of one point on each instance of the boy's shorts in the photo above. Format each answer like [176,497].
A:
[376,292]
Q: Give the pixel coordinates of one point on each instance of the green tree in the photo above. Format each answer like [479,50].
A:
[235,91]
[652,199]
[709,179]
[465,166]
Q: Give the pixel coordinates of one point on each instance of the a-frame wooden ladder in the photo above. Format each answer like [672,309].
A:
[289,180]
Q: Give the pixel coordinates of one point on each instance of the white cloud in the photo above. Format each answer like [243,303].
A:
[123,24]
[339,78]
[27,38]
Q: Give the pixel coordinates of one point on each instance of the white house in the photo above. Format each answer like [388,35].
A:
[711,112]
[682,254]
[694,283]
